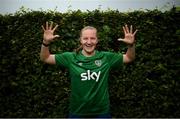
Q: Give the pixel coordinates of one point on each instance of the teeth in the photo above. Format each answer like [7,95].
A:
[88,46]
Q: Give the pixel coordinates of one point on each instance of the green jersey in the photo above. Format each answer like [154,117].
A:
[89,80]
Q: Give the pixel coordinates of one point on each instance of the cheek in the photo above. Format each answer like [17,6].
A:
[81,42]
[95,42]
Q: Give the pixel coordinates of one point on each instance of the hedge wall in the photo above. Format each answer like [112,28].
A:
[148,87]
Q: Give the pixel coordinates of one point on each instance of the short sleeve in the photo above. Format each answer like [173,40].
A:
[63,59]
[115,60]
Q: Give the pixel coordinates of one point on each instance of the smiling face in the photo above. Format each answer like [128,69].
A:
[88,41]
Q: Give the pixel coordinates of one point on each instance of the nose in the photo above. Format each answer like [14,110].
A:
[88,41]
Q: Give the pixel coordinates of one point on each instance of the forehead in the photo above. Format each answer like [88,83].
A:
[89,32]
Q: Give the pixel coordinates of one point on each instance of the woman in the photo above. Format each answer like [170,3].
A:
[89,69]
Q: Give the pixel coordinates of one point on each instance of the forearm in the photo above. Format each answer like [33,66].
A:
[44,54]
[131,52]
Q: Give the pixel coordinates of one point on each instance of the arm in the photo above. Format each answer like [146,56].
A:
[130,41]
[48,37]
[130,54]
[45,55]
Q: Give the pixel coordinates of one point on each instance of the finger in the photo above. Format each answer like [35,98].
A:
[43,28]
[131,29]
[51,26]
[55,28]
[46,25]
[125,32]
[127,29]
[120,39]
[135,33]
[56,36]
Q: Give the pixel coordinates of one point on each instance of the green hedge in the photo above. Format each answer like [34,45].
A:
[148,87]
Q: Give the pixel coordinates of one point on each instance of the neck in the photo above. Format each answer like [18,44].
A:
[88,54]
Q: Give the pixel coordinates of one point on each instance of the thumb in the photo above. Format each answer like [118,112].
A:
[56,36]
[120,39]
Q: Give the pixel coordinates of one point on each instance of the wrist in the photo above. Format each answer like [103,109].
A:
[131,45]
[45,43]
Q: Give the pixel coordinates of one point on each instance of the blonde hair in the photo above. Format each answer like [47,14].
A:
[85,28]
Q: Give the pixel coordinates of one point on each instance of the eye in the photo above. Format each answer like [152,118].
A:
[85,38]
[93,38]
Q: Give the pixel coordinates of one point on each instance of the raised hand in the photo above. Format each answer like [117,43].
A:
[129,36]
[48,35]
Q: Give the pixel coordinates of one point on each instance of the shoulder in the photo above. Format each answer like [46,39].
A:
[112,55]
[65,55]
[107,53]
[64,58]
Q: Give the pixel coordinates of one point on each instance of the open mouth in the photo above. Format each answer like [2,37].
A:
[89,46]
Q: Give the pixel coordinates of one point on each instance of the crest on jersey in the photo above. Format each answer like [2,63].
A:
[80,64]
[98,63]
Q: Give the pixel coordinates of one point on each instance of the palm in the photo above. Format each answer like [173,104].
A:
[48,35]
[129,36]
[49,32]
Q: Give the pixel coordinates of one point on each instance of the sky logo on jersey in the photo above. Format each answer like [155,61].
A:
[90,75]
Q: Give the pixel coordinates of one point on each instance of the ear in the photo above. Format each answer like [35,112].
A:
[80,40]
[97,40]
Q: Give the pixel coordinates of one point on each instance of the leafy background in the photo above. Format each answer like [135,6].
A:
[148,87]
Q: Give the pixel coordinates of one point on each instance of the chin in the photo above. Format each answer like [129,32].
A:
[90,50]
